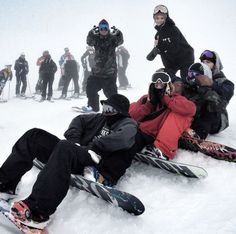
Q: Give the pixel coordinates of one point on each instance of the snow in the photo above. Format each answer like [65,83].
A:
[174,204]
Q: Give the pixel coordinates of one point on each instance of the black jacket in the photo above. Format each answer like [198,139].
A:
[71,68]
[105,54]
[21,67]
[174,48]
[48,66]
[114,143]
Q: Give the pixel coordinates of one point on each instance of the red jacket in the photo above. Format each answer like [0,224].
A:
[167,127]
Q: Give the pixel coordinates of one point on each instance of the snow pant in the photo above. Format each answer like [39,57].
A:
[21,78]
[61,82]
[68,78]
[38,87]
[169,133]
[3,82]
[62,158]
[123,80]
[85,80]
[95,84]
[48,79]
[207,123]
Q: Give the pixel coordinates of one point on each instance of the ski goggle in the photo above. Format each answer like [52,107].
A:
[207,54]
[103,27]
[191,78]
[108,110]
[161,9]
[160,77]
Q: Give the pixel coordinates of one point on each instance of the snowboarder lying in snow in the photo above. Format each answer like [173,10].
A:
[101,144]
[163,114]
[207,86]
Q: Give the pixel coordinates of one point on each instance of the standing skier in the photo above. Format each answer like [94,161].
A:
[5,75]
[87,61]
[47,70]
[122,56]
[100,143]
[104,72]
[176,53]
[22,68]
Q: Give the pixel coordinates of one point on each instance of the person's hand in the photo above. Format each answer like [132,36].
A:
[94,156]
[154,52]
[203,80]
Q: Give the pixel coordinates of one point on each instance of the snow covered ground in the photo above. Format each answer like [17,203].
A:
[174,204]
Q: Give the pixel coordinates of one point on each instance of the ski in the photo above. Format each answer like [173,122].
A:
[5,213]
[183,169]
[209,148]
[126,201]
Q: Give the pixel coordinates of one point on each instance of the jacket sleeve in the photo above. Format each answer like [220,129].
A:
[122,138]
[180,104]
[92,38]
[119,38]
[75,130]
[138,110]
[224,89]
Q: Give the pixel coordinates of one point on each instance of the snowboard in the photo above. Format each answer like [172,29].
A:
[209,148]
[12,224]
[126,201]
[183,169]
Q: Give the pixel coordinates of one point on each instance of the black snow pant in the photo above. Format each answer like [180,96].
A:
[95,84]
[48,79]
[85,80]
[123,80]
[21,78]
[62,158]
[68,78]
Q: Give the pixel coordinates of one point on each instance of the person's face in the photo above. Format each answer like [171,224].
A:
[159,19]
[208,63]
[159,85]
[103,31]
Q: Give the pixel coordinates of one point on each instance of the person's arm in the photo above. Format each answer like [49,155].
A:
[122,138]
[92,37]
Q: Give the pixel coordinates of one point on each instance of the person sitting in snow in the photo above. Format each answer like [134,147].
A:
[97,144]
[163,115]
[207,86]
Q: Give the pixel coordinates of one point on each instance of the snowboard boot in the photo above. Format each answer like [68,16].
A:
[22,213]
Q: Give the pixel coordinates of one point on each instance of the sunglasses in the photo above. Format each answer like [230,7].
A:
[207,54]
[160,8]
[160,77]
[103,27]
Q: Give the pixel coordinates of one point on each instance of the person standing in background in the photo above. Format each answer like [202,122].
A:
[22,68]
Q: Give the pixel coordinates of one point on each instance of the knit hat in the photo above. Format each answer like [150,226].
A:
[103,24]
[208,55]
[119,102]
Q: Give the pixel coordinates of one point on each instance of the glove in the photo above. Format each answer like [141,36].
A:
[155,95]
[95,157]
[115,30]
[95,30]
[155,51]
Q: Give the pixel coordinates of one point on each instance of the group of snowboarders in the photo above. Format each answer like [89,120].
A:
[101,146]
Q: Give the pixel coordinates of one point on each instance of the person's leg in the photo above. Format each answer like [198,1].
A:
[44,86]
[109,86]
[18,82]
[50,84]
[122,77]
[93,86]
[84,84]
[76,83]
[35,143]
[53,181]
[170,132]
[24,82]
[66,85]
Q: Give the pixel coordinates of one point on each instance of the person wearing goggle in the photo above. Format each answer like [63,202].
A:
[176,54]
[211,92]
[104,71]
[163,114]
